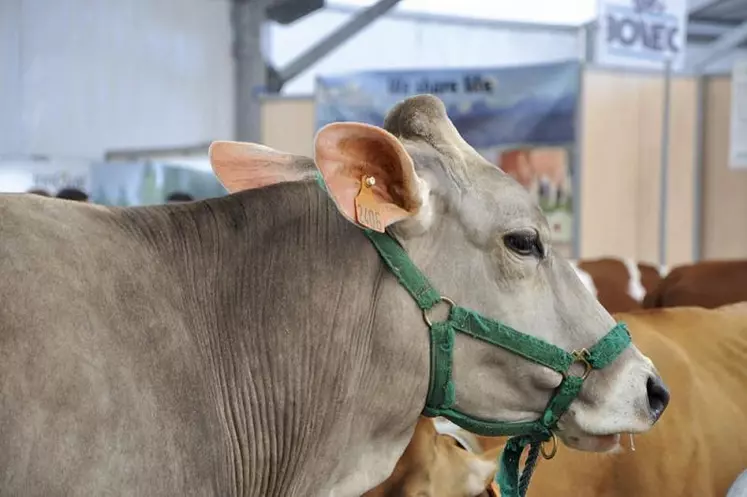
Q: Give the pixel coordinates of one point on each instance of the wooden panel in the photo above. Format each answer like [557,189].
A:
[288,125]
[724,190]
[621,174]
[609,154]
[681,182]
[647,198]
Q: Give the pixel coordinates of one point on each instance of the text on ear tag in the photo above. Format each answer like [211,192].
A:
[366,208]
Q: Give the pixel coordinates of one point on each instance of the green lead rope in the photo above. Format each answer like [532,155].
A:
[441,400]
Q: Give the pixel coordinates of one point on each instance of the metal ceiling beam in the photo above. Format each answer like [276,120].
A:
[695,5]
[288,11]
[706,29]
[718,48]
[330,43]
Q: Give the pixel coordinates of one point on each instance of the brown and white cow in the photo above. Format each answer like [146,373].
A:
[705,284]
[699,448]
[233,346]
[620,284]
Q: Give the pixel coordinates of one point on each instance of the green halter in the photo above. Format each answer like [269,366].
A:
[441,394]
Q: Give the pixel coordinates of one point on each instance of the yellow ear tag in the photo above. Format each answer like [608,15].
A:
[366,208]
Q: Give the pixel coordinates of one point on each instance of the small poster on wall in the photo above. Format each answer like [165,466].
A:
[546,173]
[641,33]
[738,125]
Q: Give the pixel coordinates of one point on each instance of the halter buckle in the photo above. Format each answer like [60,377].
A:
[582,357]
[553,450]
[443,299]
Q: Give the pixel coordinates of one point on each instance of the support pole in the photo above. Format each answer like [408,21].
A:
[664,165]
[578,165]
[250,72]
[699,141]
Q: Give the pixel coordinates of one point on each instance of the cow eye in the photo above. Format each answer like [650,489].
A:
[524,243]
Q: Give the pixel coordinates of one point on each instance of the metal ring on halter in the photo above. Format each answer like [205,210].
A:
[580,356]
[553,451]
[443,299]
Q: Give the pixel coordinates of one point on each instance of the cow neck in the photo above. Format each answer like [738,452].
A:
[441,399]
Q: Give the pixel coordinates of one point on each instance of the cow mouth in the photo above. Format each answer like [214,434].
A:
[593,443]
[608,441]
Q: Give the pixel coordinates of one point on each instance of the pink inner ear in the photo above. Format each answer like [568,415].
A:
[245,166]
[345,152]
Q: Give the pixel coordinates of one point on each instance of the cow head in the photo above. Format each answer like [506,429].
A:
[435,465]
[485,244]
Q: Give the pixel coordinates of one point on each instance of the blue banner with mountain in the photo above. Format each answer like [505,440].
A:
[522,119]
[491,107]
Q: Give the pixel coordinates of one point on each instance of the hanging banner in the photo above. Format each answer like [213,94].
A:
[738,125]
[522,119]
[641,33]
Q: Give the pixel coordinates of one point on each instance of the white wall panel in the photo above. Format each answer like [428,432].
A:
[11,136]
[96,75]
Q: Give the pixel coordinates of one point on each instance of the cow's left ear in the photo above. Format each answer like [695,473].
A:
[246,166]
[481,473]
[368,174]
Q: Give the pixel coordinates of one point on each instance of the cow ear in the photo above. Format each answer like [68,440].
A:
[245,166]
[482,471]
[368,174]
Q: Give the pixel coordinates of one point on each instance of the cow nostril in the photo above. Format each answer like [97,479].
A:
[658,396]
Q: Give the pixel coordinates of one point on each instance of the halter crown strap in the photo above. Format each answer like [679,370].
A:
[407,273]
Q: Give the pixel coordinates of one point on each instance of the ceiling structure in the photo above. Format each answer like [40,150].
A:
[719,11]
[720,24]
[288,11]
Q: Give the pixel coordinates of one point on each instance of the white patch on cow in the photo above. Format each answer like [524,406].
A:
[663,270]
[635,286]
[480,471]
[585,278]
[465,438]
